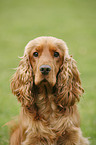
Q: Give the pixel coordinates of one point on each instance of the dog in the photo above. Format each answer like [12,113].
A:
[48,86]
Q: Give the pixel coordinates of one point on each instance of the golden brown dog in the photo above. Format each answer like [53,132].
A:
[47,83]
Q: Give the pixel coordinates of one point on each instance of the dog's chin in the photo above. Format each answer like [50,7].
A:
[45,82]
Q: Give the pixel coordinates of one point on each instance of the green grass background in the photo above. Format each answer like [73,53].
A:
[74,21]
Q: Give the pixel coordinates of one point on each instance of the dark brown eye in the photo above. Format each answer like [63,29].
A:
[35,54]
[56,54]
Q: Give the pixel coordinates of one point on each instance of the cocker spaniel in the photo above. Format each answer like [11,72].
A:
[47,84]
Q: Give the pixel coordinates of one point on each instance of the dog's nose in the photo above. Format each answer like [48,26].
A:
[45,69]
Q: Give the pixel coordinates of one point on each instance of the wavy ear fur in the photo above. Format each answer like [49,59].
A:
[68,84]
[22,82]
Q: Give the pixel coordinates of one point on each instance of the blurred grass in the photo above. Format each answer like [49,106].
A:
[73,21]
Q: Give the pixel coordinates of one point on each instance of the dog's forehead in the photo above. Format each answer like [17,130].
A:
[46,41]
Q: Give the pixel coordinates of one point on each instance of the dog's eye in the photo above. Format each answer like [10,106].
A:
[35,54]
[56,54]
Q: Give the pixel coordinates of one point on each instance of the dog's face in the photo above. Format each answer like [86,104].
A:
[46,59]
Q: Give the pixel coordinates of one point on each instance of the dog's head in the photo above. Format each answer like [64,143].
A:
[46,56]
[46,61]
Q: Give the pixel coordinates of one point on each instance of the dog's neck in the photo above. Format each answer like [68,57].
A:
[45,89]
[44,101]
[45,106]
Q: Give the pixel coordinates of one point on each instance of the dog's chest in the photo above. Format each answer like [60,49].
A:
[50,117]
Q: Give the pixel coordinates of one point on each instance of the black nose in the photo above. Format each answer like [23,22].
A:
[45,69]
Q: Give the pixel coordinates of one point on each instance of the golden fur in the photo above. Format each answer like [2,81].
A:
[49,113]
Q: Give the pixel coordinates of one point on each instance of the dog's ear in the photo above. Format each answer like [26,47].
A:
[22,81]
[69,83]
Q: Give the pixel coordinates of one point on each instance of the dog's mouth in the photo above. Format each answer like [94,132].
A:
[49,79]
[44,81]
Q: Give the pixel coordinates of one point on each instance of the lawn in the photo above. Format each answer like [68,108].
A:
[74,21]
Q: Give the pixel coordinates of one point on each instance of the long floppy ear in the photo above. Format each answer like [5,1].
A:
[22,82]
[68,84]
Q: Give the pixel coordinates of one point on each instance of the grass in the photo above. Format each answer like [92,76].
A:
[71,20]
